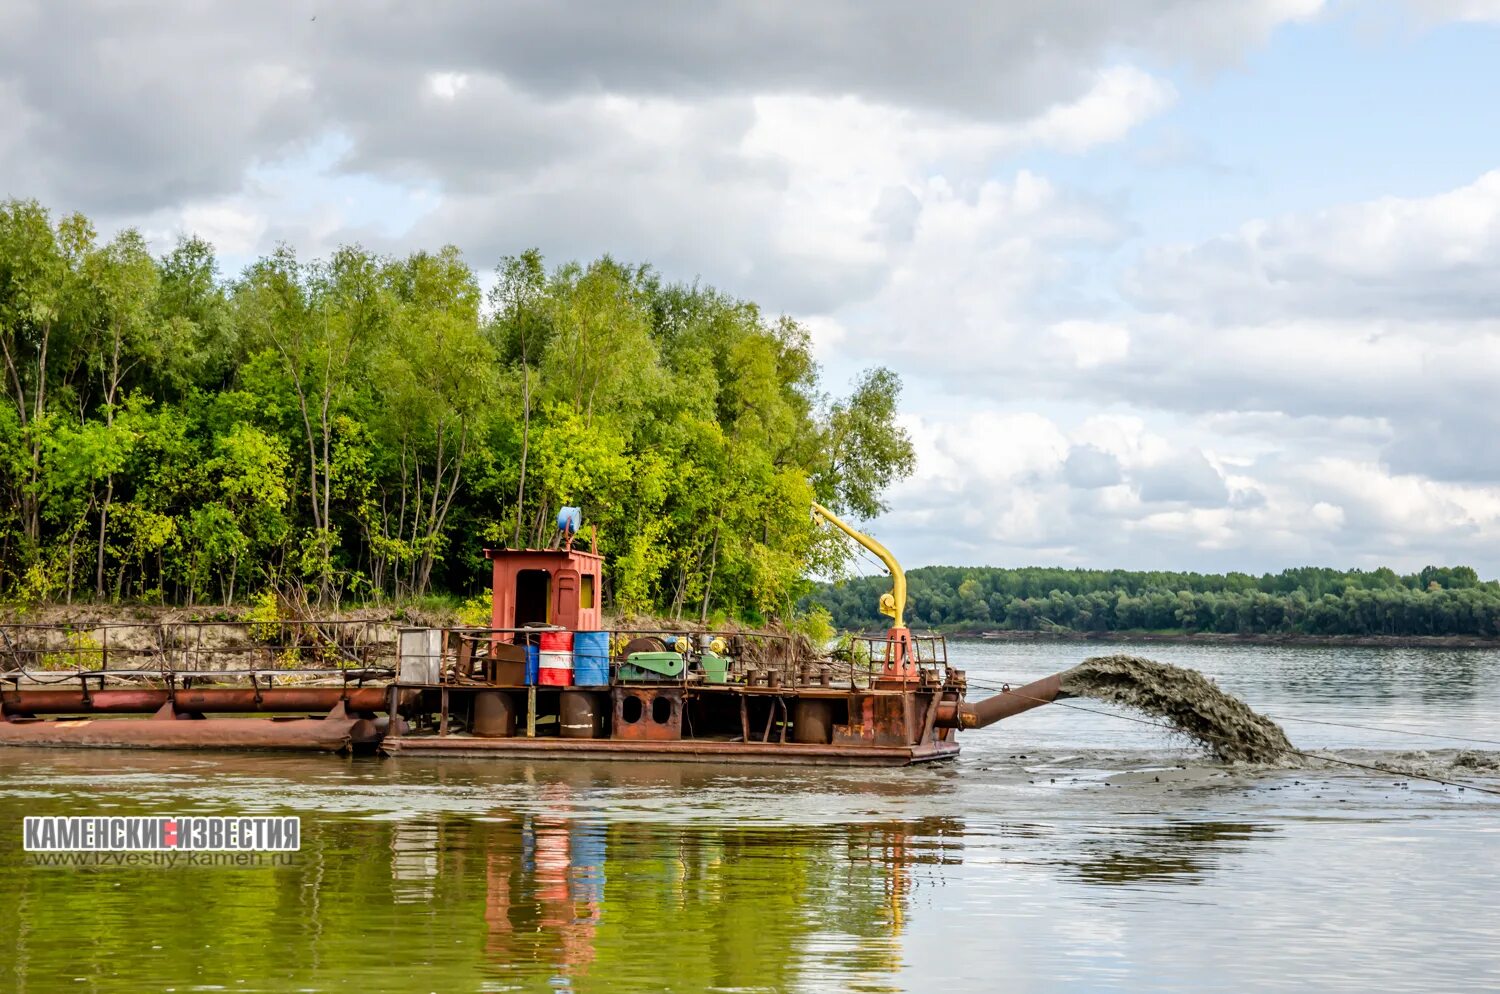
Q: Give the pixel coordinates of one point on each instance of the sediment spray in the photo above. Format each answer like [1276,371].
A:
[1185,699]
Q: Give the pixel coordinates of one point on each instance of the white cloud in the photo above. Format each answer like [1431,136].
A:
[1267,413]
[1375,324]
[1024,488]
[827,334]
[1090,468]
[447,85]
[782,153]
[231,229]
[1457,10]
[1121,98]
[1388,259]
[1327,516]
[1090,344]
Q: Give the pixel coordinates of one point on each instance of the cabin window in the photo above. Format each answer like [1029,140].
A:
[533,597]
[586,591]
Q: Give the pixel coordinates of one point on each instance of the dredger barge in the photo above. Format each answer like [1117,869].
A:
[544,681]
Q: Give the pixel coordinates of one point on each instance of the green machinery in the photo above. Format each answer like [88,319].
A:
[646,667]
[715,667]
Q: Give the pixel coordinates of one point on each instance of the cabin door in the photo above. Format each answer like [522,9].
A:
[533,594]
[565,603]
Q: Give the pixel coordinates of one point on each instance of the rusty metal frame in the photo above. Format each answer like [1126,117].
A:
[647,728]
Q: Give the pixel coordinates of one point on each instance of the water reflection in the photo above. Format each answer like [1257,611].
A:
[1182,852]
[1383,676]
[580,904]
[1450,677]
[543,889]
[531,902]
[414,864]
[623,878]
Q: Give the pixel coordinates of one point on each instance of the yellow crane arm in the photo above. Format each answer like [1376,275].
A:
[896,607]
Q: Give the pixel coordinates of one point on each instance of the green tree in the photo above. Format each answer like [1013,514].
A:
[867,449]
[355,424]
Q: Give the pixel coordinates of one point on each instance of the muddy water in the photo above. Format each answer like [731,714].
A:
[1062,852]
[1186,700]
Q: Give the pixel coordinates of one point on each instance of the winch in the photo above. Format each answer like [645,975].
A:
[643,667]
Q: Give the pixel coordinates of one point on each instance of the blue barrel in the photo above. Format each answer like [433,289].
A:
[533,663]
[591,659]
[587,850]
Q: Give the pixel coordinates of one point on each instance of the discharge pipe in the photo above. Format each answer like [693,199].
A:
[209,700]
[1005,704]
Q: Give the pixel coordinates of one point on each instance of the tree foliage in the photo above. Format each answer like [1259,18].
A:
[363,426]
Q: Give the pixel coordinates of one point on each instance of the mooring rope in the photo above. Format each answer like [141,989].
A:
[1295,751]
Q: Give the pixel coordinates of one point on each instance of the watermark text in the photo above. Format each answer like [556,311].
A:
[176,834]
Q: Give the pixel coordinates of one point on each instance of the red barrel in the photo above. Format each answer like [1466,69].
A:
[555,659]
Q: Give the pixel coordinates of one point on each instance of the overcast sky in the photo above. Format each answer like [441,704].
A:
[1199,284]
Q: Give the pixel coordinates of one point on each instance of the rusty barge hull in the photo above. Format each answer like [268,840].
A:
[888,723]
[720,699]
[687,751]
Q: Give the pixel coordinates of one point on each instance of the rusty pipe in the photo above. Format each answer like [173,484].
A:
[206,701]
[1007,703]
[294,734]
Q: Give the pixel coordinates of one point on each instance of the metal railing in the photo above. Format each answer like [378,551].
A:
[865,657]
[769,660]
[469,654]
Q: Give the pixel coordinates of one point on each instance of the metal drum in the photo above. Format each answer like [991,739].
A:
[812,721]
[494,714]
[533,663]
[581,714]
[591,659]
[555,659]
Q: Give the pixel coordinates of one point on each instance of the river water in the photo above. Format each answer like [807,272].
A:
[1064,851]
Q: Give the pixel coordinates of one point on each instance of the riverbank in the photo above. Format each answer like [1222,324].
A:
[1219,638]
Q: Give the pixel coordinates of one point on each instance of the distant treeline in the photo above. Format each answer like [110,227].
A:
[1310,601]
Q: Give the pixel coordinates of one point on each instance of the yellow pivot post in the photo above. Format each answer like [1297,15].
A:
[898,662]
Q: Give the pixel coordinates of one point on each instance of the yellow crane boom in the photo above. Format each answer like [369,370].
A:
[893,602]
